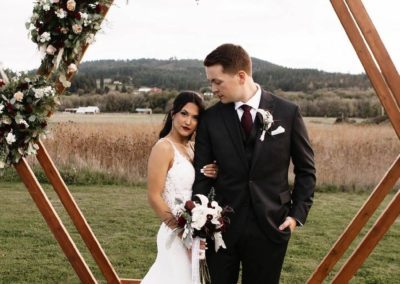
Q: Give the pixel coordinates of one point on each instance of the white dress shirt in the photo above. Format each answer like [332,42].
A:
[254,103]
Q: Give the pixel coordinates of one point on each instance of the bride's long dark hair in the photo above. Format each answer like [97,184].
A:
[180,101]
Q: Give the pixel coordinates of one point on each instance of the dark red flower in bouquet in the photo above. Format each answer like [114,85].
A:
[181,222]
[189,205]
[2,83]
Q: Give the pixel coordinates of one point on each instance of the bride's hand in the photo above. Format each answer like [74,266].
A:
[171,222]
[210,170]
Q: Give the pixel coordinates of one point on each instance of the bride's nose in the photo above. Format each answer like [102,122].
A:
[188,120]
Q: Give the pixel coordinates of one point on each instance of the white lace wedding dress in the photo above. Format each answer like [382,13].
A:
[173,264]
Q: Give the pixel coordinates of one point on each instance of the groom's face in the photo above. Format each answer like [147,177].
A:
[227,87]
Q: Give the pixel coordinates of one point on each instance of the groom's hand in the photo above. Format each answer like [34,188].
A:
[289,222]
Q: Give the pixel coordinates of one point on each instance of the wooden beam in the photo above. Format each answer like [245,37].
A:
[374,235]
[54,222]
[376,78]
[356,225]
[376,45]
[76,215]
[65,196]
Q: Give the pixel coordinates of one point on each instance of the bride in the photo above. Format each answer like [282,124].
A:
[170,176]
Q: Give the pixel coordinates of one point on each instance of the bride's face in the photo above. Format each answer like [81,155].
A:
[185,121]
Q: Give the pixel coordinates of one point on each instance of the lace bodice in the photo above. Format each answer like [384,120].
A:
[179,181]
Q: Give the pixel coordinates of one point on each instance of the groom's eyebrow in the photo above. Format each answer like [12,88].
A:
[215,81]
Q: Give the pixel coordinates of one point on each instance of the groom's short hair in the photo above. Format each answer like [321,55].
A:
[233,58]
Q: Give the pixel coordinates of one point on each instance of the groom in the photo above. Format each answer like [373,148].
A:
[253,174]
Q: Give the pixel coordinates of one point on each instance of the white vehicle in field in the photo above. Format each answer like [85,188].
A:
[88,110]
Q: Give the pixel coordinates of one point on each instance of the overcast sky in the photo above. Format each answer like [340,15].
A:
[291,33]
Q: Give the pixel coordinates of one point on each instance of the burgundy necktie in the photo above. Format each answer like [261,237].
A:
[247,120]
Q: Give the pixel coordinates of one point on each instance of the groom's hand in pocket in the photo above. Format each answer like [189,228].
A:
[289,222]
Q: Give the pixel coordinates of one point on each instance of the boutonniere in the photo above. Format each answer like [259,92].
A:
[266,120]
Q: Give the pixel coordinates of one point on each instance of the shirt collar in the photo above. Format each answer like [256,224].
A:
[254,101]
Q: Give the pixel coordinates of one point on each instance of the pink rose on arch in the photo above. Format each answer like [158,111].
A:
[51,49]
[72,68]
[18,96]
[71,5]
[77,28]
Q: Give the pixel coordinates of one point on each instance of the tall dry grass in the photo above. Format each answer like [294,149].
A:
[347,156]
[353,156]
[120,150]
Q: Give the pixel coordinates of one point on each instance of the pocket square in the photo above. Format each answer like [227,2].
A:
[277,131]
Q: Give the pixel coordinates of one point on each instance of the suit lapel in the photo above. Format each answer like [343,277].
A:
[267,103]
[232,123]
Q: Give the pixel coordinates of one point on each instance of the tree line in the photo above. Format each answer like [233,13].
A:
[322,102]
[189,74]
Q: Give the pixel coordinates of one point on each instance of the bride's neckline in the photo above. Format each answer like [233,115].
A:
[186,148]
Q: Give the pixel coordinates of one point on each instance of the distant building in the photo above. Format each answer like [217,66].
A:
[144,90]
[88,110]
[71,110]
[144,110]
[155,90]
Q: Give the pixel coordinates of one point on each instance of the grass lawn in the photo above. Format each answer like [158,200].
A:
[126,228]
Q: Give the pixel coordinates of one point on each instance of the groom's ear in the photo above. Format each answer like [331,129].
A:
[242,75]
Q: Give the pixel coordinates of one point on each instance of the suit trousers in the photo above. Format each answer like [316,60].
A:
[261,258]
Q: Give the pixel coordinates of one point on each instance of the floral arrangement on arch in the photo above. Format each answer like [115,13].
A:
[61,28]
[25,106]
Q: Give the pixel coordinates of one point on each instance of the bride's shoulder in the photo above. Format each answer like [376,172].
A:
[161,156]
[163,146]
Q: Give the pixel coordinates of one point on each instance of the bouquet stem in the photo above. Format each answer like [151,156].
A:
[205,277]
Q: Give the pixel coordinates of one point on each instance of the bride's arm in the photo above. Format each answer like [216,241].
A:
[160,160]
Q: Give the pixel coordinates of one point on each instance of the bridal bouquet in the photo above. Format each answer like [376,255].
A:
[198,220]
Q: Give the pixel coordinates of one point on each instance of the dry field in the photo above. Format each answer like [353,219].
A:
[352,156]
[347,156]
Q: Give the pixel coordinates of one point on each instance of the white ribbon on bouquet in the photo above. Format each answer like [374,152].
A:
[197,255]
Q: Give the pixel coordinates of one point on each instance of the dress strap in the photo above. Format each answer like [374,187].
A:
[172,143]
[178,152]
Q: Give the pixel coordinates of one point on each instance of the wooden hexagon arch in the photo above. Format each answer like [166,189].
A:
[386,82]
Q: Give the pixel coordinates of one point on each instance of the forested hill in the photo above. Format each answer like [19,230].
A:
[189,74]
